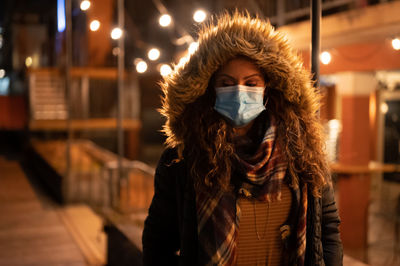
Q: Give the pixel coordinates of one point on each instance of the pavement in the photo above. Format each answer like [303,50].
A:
[34,231]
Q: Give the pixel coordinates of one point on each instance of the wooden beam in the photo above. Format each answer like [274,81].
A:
[83,124]
[77,72]
[355,26]
[364,169]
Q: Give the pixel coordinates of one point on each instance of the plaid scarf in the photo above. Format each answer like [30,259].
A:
[218,212]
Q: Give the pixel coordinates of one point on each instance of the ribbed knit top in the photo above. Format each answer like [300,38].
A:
[259,237]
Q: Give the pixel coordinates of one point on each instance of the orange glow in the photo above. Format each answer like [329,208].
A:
[372,109]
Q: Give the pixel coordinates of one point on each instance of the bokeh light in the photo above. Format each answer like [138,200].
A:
[85,5]
[115,51]
[153,54]
[94,25]
[28,61]
[384,108]
[165,20]
[141,67]
[199,15]
[396,44]
[116,33]
[165,70]
[325,57]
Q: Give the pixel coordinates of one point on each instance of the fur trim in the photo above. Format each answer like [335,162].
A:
[221,40]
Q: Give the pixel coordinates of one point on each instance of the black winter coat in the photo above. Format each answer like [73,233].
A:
[170,231]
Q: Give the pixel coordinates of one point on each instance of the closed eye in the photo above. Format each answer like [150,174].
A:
[251,84]
[254,83]
[225,82]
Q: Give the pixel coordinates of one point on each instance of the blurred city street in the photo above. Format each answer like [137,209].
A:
[81,132]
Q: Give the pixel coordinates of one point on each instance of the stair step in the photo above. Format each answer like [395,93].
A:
[48,100]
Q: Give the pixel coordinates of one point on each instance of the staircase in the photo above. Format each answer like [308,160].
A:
[47,96]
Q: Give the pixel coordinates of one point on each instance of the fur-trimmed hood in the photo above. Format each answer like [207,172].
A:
[219,41]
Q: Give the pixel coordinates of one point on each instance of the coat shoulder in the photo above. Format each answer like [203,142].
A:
[168,156]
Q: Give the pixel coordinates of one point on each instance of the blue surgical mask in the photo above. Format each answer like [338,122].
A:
[240,104]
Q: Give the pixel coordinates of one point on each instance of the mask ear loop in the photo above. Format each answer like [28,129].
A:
[265,104]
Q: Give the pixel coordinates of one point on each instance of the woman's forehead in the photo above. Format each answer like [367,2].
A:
[239,67]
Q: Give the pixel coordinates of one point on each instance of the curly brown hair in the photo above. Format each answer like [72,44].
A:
[209,149]
[205,140]
[208,146]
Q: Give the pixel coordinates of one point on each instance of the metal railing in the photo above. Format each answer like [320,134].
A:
[94,177]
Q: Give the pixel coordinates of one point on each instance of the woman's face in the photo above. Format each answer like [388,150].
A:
[239,71]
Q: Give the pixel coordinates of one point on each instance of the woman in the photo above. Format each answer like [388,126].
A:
[244,180]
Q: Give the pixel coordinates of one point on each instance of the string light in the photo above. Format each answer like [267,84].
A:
[115,51]
[396,44]
[28,61]
[325,57]
[116,33]
[153,54]
[141,66]
[199,16]
[165,20]
[384,108]
[165,70]
[85,5]
[94,25]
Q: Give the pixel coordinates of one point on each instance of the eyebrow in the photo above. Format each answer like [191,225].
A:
[247,77]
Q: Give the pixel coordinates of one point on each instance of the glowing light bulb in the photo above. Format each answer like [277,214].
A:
[165,70]
[115,51]
[165,20]
[153,54]
[396,44]
[85,5]
[199,15]
[116,33]
[325,58]
[94,25]
[384,108]
[141,67]
[28,61]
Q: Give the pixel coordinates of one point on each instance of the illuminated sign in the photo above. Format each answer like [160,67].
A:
[61,15]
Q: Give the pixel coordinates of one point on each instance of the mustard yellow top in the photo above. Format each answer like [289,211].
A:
[259,237]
